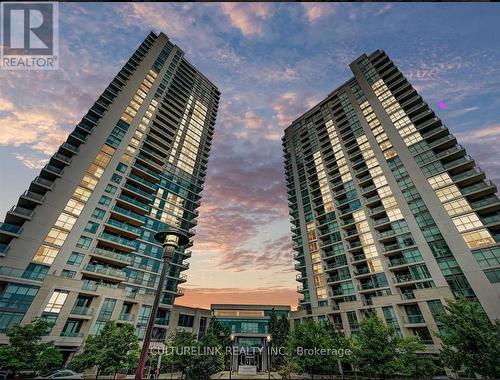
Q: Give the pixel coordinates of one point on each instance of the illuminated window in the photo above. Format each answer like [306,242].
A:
[74,207]
[65,221]
[457,206]
[448,193]
[440,180]
[45,254]
[56,302]
[56,237]
[478,238]
[394,214]
[82,194]
[89,182]
[467,222]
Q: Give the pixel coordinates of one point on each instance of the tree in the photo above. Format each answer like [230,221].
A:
[26,351]
[210,360]
[114,348]
[375,348]
[177,357]
[411,362]
[279,329]
[303,346]
[223,334]
[470,341]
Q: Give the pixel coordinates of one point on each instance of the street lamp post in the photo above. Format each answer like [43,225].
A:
[170,240]
[269,356]
[231,358]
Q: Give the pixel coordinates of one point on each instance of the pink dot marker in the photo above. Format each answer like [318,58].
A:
[442,105]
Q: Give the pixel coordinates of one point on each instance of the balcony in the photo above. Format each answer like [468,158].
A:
[142,182]
[72,334]
[414,319]
[119,259]
[126,317]
[89,286]
[358,258]
[33,197]
[129,215]
[51,169]
[82,311]
[120,227]
[161,321]
[117,241]
[44,183]
[21,212]
[10,229]
[108,273]
[138,206]
[136,191]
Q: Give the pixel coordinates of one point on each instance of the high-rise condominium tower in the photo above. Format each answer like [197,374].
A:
[390,215]
[78,248]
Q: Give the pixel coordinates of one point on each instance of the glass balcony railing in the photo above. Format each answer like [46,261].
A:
[7,227]
[124,226]
[112,255]
[107,271]
[82,310]
[129,213]
[414,318]
[118,239]
[134,202]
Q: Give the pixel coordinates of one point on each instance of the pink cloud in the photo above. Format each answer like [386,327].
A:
[315,11]
[247,17]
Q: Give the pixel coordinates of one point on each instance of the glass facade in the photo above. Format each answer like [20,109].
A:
[134,165]
[386,208]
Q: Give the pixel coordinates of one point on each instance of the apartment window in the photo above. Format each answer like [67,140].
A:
[493,276]
[91,227]
[68,273]
[56,302]
[437,309]
[71,328]
[467,222]
[110,189]
[8,320]
[448,193]
[74,207]
[185,320]
[116,178]
[35,272]
[121,167]
[56,237]
[105,201]
[478,238]
[82,194]
[440,180]
[107,309]
[65,221]
[75,258]
[98,213]
[45,254]
[487,257]
[84,242]
[458,206]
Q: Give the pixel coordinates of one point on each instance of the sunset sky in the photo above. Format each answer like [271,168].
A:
[271,62]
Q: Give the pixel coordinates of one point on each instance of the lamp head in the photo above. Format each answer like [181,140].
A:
[172,237]
[232,337]
[269,338]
